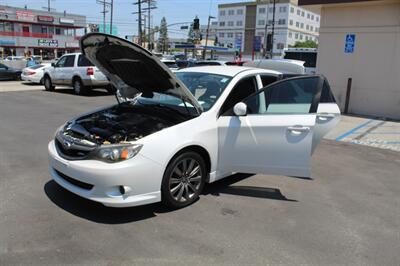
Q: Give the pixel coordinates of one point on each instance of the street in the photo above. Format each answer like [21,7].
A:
[348,213]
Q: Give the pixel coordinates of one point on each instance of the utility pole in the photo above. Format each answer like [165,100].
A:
[151,4]
[105,4]
[139,4]
[111,15]
[207,32]
[273,29]
[48,6]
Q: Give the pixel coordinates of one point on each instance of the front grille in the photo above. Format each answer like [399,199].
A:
[75,182]
[71,153]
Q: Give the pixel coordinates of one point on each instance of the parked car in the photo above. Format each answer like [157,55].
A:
[14,58]
[210,63]
[9,73]
[170,134]
[171,64]
[77,71]
[286,66]
[34,73]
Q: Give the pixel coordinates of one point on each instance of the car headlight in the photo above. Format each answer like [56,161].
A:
[117,153]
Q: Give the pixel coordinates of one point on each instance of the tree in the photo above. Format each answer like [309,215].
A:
[163,36]
[306,44]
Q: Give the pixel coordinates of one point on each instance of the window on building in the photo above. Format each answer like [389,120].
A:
[298,12]
[308,15]
[229,34]
[291,9]
[302,25]
[58,31]
[297,24]
[270,22]
[281,21]
[231,12]
[230,23]
[312,17]
[222,12]
[280,46]
[307,27]
[282,9]
[306,38]
[296,36]
[239,11]
[316,29]
[261,10]
[302,13]
[260,34]
[311,28]
[221,34]
[317,18]
[44,29]
[291,22]
[290,34]
[301,36]
[239,23]
[261,22]
[222,23]
[271,10]
[238,34]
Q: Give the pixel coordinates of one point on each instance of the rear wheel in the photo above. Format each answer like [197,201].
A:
[79,89]
[48,85]
[183,180]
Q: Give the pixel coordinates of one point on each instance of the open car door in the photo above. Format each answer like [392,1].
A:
[276,133]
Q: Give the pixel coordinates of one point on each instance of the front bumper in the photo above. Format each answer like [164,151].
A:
[141,178]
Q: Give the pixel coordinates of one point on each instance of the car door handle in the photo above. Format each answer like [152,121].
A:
[297,130]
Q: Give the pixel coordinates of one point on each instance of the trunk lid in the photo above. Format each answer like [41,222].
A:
[133,69]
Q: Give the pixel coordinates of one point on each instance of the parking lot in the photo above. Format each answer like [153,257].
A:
[348,213]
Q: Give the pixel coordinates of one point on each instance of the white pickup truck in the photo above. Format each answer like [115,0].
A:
[77,71]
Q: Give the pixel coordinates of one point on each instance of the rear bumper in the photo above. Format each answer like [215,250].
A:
[95,83]
[32,79]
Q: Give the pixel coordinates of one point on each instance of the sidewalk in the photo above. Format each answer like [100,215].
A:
[365,131]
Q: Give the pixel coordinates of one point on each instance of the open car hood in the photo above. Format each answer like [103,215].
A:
[133,69]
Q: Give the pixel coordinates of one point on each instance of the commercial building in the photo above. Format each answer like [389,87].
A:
[35,32]
[243,24]
[361,40]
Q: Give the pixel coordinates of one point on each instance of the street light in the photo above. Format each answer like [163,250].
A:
[208,28]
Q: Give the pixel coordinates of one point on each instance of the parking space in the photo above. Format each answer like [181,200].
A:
[346,214]
[370,132]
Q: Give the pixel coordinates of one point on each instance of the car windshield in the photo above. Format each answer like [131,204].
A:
[205,87]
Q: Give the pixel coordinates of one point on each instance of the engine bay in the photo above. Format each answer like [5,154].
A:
[124,122]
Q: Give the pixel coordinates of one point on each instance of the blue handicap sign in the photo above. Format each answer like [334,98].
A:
[350,43]
[257,43]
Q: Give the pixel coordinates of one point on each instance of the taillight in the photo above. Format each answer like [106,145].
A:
[29,72]
[90,71]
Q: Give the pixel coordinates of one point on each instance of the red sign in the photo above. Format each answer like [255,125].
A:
[45,18]
[25,15]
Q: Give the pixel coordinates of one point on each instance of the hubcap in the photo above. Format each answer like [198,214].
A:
[185,180]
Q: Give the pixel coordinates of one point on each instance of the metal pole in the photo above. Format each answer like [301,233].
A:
[140,21]
[273,29]
[104,16]
[348,91]
[205,46]
[111,16]
[148,22]
[48,5]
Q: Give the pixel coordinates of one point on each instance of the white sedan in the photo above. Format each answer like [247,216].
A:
[34,73]
[172,133]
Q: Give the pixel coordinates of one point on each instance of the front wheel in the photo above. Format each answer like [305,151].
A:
[183,180]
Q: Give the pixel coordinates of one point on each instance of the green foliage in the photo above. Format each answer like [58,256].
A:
[306,44]
[190,38]
[163,35]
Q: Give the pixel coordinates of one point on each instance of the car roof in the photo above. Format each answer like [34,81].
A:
[230,71]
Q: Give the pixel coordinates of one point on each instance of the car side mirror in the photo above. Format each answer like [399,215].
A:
[53,64]
[240,109]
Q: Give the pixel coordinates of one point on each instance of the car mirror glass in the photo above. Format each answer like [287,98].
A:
[240,109]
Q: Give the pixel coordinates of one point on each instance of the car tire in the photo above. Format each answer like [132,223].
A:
[48,85]
[79,88]
[41,81]
[183,180]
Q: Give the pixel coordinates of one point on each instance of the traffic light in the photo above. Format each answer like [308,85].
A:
[196,24]
[269,42]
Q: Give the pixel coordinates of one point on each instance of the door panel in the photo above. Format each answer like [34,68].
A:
[276,135]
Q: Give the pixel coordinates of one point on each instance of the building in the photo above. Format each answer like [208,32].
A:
[35,32]
[212,32]
[239,23]
[361,40]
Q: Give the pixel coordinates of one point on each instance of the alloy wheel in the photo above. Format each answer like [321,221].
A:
[185,180]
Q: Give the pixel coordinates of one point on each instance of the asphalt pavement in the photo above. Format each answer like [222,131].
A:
[348,213]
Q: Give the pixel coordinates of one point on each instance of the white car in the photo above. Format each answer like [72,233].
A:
[171,133]
[285,66]
[34,73]
[77,71]
[171,64]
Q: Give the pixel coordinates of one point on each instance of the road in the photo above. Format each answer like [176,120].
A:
[347,214]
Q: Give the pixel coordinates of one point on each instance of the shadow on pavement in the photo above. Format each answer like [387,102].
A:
[97,212]
[90,93]
[224,186]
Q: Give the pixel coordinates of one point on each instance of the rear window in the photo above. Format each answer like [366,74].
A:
[84,62]
[36,66]
[207,63]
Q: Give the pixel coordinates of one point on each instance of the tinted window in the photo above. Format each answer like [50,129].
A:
[69,62]
[266,80]
[61,62]
[287,97]
[83,61]
[326,94]
[243,88]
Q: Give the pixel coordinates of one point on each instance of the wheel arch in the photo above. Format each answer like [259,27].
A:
[198,149]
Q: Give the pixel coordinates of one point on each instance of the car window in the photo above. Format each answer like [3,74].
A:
[61,62]
[69,61]
[294,96]
[211,63]
[326,94]
[267,79]
[83,61]
[243,88]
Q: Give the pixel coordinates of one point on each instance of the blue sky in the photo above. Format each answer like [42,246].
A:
[174,10]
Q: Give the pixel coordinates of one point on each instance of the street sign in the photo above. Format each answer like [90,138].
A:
[350,43]
[257,43]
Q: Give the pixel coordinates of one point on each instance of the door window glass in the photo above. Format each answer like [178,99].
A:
[243,88]
[70,61]
[266,80]
[61,62]
[294,96]
[326,94]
